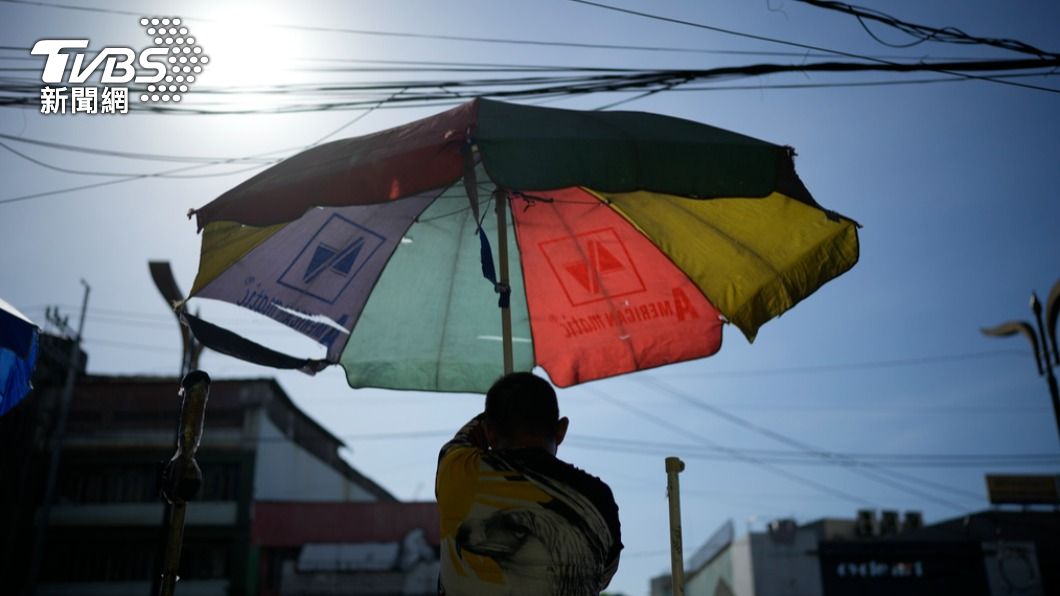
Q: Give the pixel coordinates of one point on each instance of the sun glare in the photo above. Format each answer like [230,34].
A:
[248,52]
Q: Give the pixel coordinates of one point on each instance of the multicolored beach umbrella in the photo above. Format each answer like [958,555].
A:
[636,236]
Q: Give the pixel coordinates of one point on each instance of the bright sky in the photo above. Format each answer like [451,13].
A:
[955,184]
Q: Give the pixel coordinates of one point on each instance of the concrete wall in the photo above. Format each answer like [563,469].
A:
[714,579]
[286,472]
[785,567]
[743,583]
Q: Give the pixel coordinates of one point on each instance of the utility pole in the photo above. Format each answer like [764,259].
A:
[1046,355]
[57,440]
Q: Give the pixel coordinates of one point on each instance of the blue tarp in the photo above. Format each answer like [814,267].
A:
[18,356]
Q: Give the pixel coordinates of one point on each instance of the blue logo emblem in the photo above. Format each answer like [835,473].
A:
[331,259]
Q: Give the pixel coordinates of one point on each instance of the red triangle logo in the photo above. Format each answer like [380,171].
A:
[580,272]
[601,262]
[605,260]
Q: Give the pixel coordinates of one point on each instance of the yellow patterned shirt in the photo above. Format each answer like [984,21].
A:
[521,521]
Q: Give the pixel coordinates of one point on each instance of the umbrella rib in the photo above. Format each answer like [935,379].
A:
[730,238]
[778,275]
[610,304]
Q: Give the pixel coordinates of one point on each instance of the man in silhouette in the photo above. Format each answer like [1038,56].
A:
[515,519]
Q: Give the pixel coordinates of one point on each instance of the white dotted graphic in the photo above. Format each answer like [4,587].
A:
[168,33]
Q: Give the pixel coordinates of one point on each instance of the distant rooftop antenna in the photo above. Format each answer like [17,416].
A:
[865,523]
[914,520]
[889,522]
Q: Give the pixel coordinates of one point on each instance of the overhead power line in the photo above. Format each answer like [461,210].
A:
[427,65]
[128,175]
[429,93]
[864,365]
[330,134]
[853,84]
[791,43]
[138,155]
[397,34]
[823,52]
[773,467]
[649,448]
[900,481]
[539,42]
[49,193]
[645,415]
[605,80]
[923,33]
[516,67]
[789,458]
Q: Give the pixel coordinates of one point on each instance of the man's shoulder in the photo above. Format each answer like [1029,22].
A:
[587,479]
[541,462]
[593,489]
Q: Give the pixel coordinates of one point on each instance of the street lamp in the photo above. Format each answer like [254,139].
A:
[1047,333]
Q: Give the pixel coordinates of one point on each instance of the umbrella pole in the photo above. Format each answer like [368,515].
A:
[675,466]
[501,198]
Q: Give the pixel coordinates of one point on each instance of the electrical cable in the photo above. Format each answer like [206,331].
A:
[399,34]
[845,366]
[793,43]
[193,167]
[128,154]
[923,33]
[832,491]
[871,471]
[851,84]
[125,174]
[913,460]
[537,87]
[428,65]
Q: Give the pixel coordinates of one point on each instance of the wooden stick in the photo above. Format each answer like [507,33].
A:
[174,542]
[182,476]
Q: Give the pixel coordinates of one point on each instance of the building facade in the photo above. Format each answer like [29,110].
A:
[989,553]
[259,455]
[338,549]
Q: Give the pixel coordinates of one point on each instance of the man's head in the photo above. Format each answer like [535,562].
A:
[521,411]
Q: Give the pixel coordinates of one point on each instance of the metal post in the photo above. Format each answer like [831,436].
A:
[1045,336]
[501,198]
[182,477]
[57,447]
[1055,395]
[1036,306]
[675,466]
